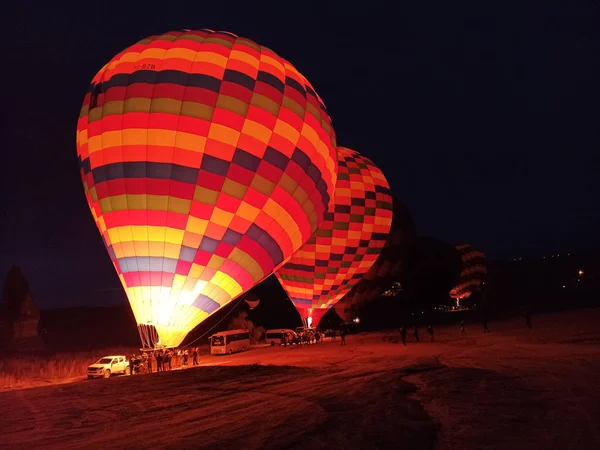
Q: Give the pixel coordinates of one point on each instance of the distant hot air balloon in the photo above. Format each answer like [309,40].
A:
[391,265]
[252,300]
[207,161]
[473,272]
[346,244]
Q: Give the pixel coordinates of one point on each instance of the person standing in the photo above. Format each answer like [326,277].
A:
[430,331]
[195,356]
[528,320]
[416,333]
[343,336]
[462,329]
[149,361]
[485,326]
[131,364]
[403,335]
[159,361]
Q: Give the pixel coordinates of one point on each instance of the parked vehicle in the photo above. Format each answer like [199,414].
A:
[228,342]
[275,337]
[107,366]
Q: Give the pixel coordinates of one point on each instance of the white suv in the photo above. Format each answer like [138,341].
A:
[107,366]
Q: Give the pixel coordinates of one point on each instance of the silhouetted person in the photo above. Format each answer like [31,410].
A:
[284,339]
[343,336]
[131,364]
[195,356]
[149,362]
[185,358]
[528,320]
[485,326]
[430,331]
[317,337]
[403,335]
[159,362]
[462,329]
[416,333]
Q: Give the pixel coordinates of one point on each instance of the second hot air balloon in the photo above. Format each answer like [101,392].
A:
[473,272]
[392,265]
[346,244]
[207,161]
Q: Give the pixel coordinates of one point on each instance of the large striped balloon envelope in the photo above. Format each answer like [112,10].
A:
[346,244]
[473,272]
[207,161]
[393,264]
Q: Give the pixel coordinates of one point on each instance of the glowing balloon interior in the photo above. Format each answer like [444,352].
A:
[207,161]
[346,244]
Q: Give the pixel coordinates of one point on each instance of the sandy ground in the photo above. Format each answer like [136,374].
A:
[512,388]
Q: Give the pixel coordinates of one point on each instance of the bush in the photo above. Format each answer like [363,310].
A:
[241,322]
[28,370]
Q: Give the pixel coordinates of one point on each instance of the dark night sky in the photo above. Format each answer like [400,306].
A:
[484,118]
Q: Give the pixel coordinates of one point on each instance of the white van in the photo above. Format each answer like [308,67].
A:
[228,342]
[275,337]
[107,366]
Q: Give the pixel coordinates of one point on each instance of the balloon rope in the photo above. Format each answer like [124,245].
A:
[224,317]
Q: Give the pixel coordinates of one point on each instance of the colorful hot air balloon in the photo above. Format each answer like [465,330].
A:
[473,272]
[207,161]
[391,265]
[346,244]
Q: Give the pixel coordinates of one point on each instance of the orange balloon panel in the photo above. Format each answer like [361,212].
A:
[207,161]
[348,241]
[474,270]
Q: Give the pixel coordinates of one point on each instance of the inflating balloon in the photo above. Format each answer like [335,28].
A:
[346,244]
[207,161]
[392,265]
[473,272]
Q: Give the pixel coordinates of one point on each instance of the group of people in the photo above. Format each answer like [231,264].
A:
[463,331]
[403,332]
[312,336]
[162,360]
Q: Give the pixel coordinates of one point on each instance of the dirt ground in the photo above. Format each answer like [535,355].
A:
[513,388]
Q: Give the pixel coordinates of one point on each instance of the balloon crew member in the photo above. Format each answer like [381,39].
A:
[430,331]
[462,329]
[195,356]
[343,336]
[416,333]
[131,364]
[159,362]
[485,326]
[403,335]
[150,359]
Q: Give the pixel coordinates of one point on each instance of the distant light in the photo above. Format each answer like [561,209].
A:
[564,286]
[544,257]
[356,320]
[580,272]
